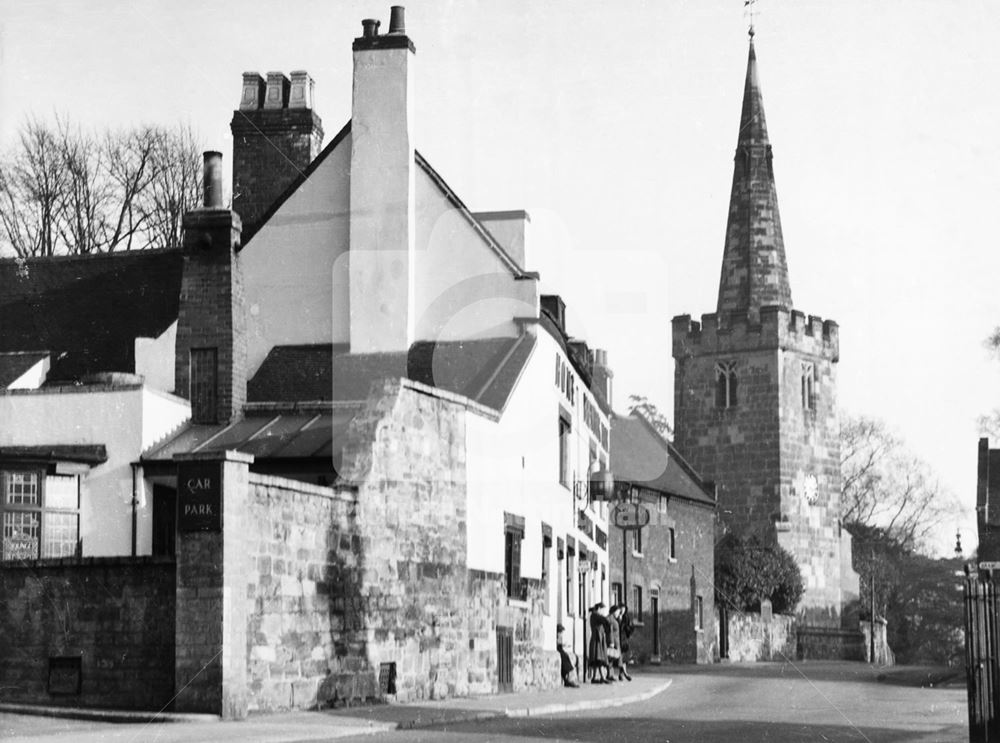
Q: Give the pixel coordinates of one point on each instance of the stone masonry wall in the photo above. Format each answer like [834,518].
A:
[423,611]
[752,639]
[775,463]
[811,484]
[534,665]
[829,643]
[406,456]
[305,639]
[738,448]
[115,614]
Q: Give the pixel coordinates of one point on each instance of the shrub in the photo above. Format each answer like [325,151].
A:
[748,570]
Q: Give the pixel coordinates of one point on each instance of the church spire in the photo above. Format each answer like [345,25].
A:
[754,269]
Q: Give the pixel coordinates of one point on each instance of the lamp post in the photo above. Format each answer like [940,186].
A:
[871,632]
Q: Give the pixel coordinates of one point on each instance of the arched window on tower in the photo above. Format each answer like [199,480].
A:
[808,385]
[726,384]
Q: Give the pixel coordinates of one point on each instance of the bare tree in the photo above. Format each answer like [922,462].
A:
[65,190]
[33,184]
[989,425]
[887,486]
[641,405]
[87,192]
[175,186]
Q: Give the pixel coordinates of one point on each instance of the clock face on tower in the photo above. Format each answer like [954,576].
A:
[809,489]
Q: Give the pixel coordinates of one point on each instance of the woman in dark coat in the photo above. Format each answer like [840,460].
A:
[599,629]
[614,645]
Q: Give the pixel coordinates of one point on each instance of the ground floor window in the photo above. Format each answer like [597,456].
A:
[616,593]
[699,613]
[637,604]
[513,536]
[40,515]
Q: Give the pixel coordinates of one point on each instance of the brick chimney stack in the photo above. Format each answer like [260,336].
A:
[211,346]
[383,208]
[276,134]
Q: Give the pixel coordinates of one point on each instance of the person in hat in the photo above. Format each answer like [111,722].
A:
[567,661]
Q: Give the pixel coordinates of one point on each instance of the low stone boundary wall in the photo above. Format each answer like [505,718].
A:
[828,643]
[95,632]
[751,638]
[883,653]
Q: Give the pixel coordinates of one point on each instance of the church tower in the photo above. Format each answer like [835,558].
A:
[755,388]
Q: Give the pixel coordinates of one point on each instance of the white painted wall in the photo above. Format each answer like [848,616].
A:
[463,288]
[154,359]
[383,205]
[295,268]
[162,414]
[513,466]
[124,419]
[511,230]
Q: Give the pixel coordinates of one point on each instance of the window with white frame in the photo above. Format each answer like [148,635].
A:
[40,515]
[637,604]
[513,536]
[699,613]
[636,541]
[671,543]
[564,447]
[662,504]
[546,566]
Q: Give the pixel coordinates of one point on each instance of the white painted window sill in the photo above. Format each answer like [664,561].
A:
[517,603]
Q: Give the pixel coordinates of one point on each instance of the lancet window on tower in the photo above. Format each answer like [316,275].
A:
[808,385]
[726,384]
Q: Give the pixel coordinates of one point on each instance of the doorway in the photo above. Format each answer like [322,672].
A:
[164,520]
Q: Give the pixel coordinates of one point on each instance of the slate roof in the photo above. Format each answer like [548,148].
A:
[87,311]
[85,453]
[274,436]
[639,454]
[15,363]
[483,370]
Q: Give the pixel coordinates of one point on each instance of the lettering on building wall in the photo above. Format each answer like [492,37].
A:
[199,497]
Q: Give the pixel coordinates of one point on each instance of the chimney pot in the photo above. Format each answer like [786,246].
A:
[370,27]
[277,90]
[253,91]
[212,181]
[397,22]
[301,95]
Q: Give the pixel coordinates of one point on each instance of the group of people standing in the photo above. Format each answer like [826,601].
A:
[609,636]
[610,631]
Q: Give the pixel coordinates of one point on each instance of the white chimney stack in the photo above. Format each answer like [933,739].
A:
[383,206]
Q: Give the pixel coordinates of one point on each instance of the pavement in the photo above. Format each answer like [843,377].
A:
[335,723]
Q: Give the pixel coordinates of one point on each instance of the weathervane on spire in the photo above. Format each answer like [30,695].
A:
[750,6]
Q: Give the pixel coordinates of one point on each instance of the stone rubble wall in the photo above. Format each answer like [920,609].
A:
[374,571]
[305,639]
[752,639]
[116,614]
[828,643]
[883,653]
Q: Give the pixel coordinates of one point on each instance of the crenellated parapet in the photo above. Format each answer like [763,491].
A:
[777,327]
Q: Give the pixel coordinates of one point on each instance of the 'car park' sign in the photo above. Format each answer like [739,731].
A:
[199,496]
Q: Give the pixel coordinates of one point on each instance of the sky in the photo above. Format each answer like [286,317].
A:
[614,125]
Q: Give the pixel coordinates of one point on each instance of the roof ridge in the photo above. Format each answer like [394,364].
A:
[479,227]
[90,257]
